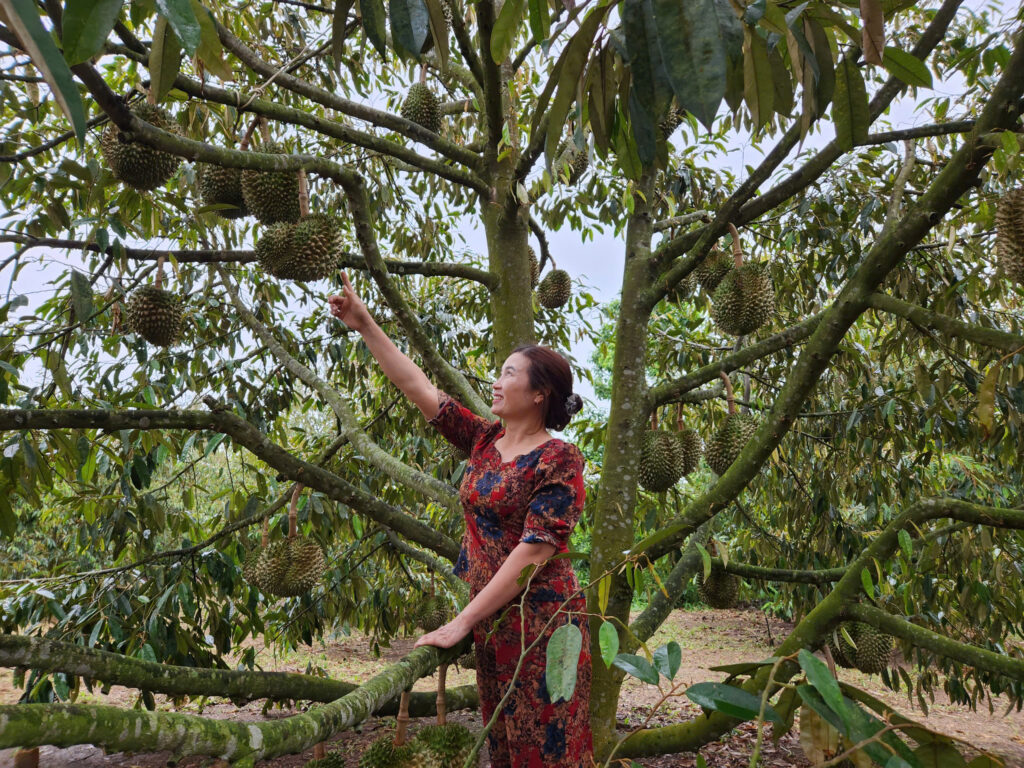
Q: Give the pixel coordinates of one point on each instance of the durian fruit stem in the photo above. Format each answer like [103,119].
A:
[320,751]
[264,129]
[737,248]
[679,417]
[303,193]
[432,584]
[442,702]
[244,144]
[151,95]
[654,419]
[423,74]
[160,271]
[730,397]
[403,718]
[266,532]
[27,758]
[293,515]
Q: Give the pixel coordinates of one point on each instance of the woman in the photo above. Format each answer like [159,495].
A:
[522,494]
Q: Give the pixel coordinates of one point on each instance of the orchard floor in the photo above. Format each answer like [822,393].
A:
[708,638]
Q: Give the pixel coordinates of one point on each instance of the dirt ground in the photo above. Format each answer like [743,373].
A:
[708,638]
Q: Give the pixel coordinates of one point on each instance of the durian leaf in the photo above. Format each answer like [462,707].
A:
[987,401]
[637,666]
[730,700]
[22,17]
[85,27]
[823,681]
[723,551]
[758,90]
[692,47]
[81,296]
[782,100]
[706,557]
[604,587]
[439,30]
[873,36]
[786,706]
[824,89]
[373,15]
[608,641]
[907,67]
[939,755]
[867,583]
[563,655]
[339,22]
[210,51]
[540,19]
[506,28]
[667,659]
[183,21]
[164,58]
[850,111]
[905,544]
[984,761]
[410,25]
[847,637]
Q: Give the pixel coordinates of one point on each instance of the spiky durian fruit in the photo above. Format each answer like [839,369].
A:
[332,760]
[222,186]
[421,107]
[554,290]
[275,250]
[271,566]
[658,467]
[383,753]
[250,572]
[716,265]
[433,613]
[468,660]
[719,589]
[668,124]
[577,160]
[1010,235]
[744,300]
[450,744]
[306,566]
[316,243]
[137,164]
[871,652]
[690,448]
[534,267]
[839,646]
[154,314]
[272,196]
[725,446]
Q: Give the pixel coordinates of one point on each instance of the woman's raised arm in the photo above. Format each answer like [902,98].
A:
[402,371]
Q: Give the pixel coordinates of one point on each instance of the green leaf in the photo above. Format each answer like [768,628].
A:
[410,25]
[164,58]
[637,666]
[506,27]
[210,50]
[743,667]
[984,761]
[563,655]
[667,659]
[694,54]
[873,34]
[823,681]
[850,111]
[705,557]
[183,21]
[85,26]
[867,583]
[439,30]
[758,90]
[540,19]
[938,754]
[907,67]
[987,401]
[905,544]
[608,641]
[373,15]
[339,23]
[23,17]
[730,700]
[81,296]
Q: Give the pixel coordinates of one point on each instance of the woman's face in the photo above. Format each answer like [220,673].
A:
[512,396]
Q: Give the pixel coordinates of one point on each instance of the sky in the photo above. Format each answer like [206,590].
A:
[598,262]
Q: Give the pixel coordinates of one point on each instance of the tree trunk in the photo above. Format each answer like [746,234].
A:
[512,301]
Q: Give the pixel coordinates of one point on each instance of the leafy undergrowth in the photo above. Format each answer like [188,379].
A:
[708,638]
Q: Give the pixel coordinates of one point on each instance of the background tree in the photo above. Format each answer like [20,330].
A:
[886,382]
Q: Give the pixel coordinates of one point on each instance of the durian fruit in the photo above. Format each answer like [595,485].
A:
[872,650]
[384,753]
[316,243]
[554,290]
[723,448]
[715,266]
[534,267]
[1010,235]
[270,567]
[468,660]
[744,300]
[306,566]
[154,314]
[222,186]
[433,614]
[275,249]
[331,760]
[659,463]
[576,159]
[249,569]
[422,107]
[668,124]
[449,744]
[719,589]
[136,164]
[690,449]
[272,196]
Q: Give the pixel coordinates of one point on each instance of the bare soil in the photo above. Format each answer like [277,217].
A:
[708,638]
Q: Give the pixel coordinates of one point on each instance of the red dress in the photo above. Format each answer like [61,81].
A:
[535,497]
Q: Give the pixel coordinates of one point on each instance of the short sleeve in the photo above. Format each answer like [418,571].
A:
[557,500]
[459,425]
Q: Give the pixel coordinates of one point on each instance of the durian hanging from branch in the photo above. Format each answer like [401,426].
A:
[290,567]
[555,289]
[136,164]
[444,743]
[223,186]
[728,442]
[661,462]
[1010,235]
[272,196]
[421,105]
[745,298]
[153,313]
[690,445]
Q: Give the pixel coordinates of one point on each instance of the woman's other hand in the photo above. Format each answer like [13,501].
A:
[447,636]
[349,308]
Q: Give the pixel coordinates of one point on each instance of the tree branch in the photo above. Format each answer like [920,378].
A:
[925,318]
[817,576]
[681,221]
[491,80]
[465,43]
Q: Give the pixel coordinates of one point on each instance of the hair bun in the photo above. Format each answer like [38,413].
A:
[573,404]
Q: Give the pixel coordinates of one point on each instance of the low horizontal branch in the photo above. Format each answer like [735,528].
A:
[922,637]
[791,576]
[926,318]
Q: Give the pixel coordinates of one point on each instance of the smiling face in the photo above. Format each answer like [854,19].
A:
[513,397]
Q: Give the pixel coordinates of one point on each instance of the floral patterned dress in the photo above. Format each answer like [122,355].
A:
[535,497]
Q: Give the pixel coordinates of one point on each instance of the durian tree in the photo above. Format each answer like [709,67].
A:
[881,355]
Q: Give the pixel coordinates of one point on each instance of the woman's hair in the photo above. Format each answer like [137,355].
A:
[550,373]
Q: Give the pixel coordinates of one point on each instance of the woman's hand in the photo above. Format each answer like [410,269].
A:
[349,308]
[447,636]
